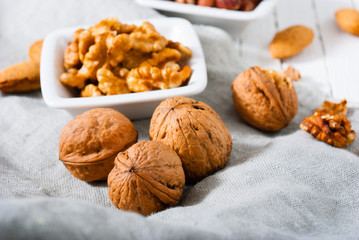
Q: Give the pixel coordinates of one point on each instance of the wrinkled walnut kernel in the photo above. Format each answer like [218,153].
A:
[121,58]
[333,130]
[333,109]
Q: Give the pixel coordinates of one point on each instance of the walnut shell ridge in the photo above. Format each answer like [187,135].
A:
[197,134]
[265,99]
[147,178]
[90,142]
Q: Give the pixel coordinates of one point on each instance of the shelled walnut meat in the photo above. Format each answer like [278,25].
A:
[90,142]
[147,178]
[265,99]
[117,58]
[330,125]
[195,132]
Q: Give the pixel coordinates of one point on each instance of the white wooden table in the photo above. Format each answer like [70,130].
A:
[332,60]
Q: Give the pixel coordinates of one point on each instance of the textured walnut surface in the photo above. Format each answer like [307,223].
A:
[196,132]
[147,178]
[264,99]
[95,135]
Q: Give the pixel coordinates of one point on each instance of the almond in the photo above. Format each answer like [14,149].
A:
[35,51]
[348,20]
[291,41]
[21,77]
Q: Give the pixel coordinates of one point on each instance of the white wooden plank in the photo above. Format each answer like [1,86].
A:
[310,62]
[341,50]
[254,44]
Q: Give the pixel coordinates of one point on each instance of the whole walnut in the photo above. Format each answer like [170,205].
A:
[196,132]
[90,142]
[147,178]
[265,99]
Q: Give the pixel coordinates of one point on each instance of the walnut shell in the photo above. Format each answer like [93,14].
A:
[196,132]
[265,99]
[147,178]
[90,142]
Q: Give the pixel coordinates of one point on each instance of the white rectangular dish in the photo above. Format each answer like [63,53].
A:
[234,22]
[133,105]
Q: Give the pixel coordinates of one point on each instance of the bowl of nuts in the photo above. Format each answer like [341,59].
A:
[231,15]
[130,66]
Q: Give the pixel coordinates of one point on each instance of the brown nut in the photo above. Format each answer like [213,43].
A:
[348,20]
[333,130]
[90,142]
[333,109]
[264,99]
[206,3]
[196,132]
[291,41]
[229,4]
[291,73]
[21,77]
[35,51]
[147,178]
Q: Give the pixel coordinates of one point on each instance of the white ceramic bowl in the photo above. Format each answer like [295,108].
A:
[133,105]
[234,22]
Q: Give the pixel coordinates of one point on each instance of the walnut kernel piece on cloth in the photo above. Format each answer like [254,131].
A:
[329,124]
[147,178]
[121,58]
[333,130]
[333,109]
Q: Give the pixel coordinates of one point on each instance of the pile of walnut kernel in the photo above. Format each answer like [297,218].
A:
[241,5]
[112,58]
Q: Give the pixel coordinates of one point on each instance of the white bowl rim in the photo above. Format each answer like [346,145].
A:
[260,11]
[52,99]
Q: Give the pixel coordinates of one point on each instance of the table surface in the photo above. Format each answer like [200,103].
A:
[332,60]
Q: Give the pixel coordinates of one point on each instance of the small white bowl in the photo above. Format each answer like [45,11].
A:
[234,22]
[133,105]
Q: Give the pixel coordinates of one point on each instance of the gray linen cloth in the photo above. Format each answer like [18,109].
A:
[283,185]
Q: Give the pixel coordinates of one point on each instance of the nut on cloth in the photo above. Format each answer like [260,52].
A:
[147,178]
[265,99]
[196,132]
[90,142]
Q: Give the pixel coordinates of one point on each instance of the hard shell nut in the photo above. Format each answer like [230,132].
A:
[291,41]
[348,20]
[229,4]
[206,3]
[147,178]
[21,77]
[264,99]
[197,134]
[90,142]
